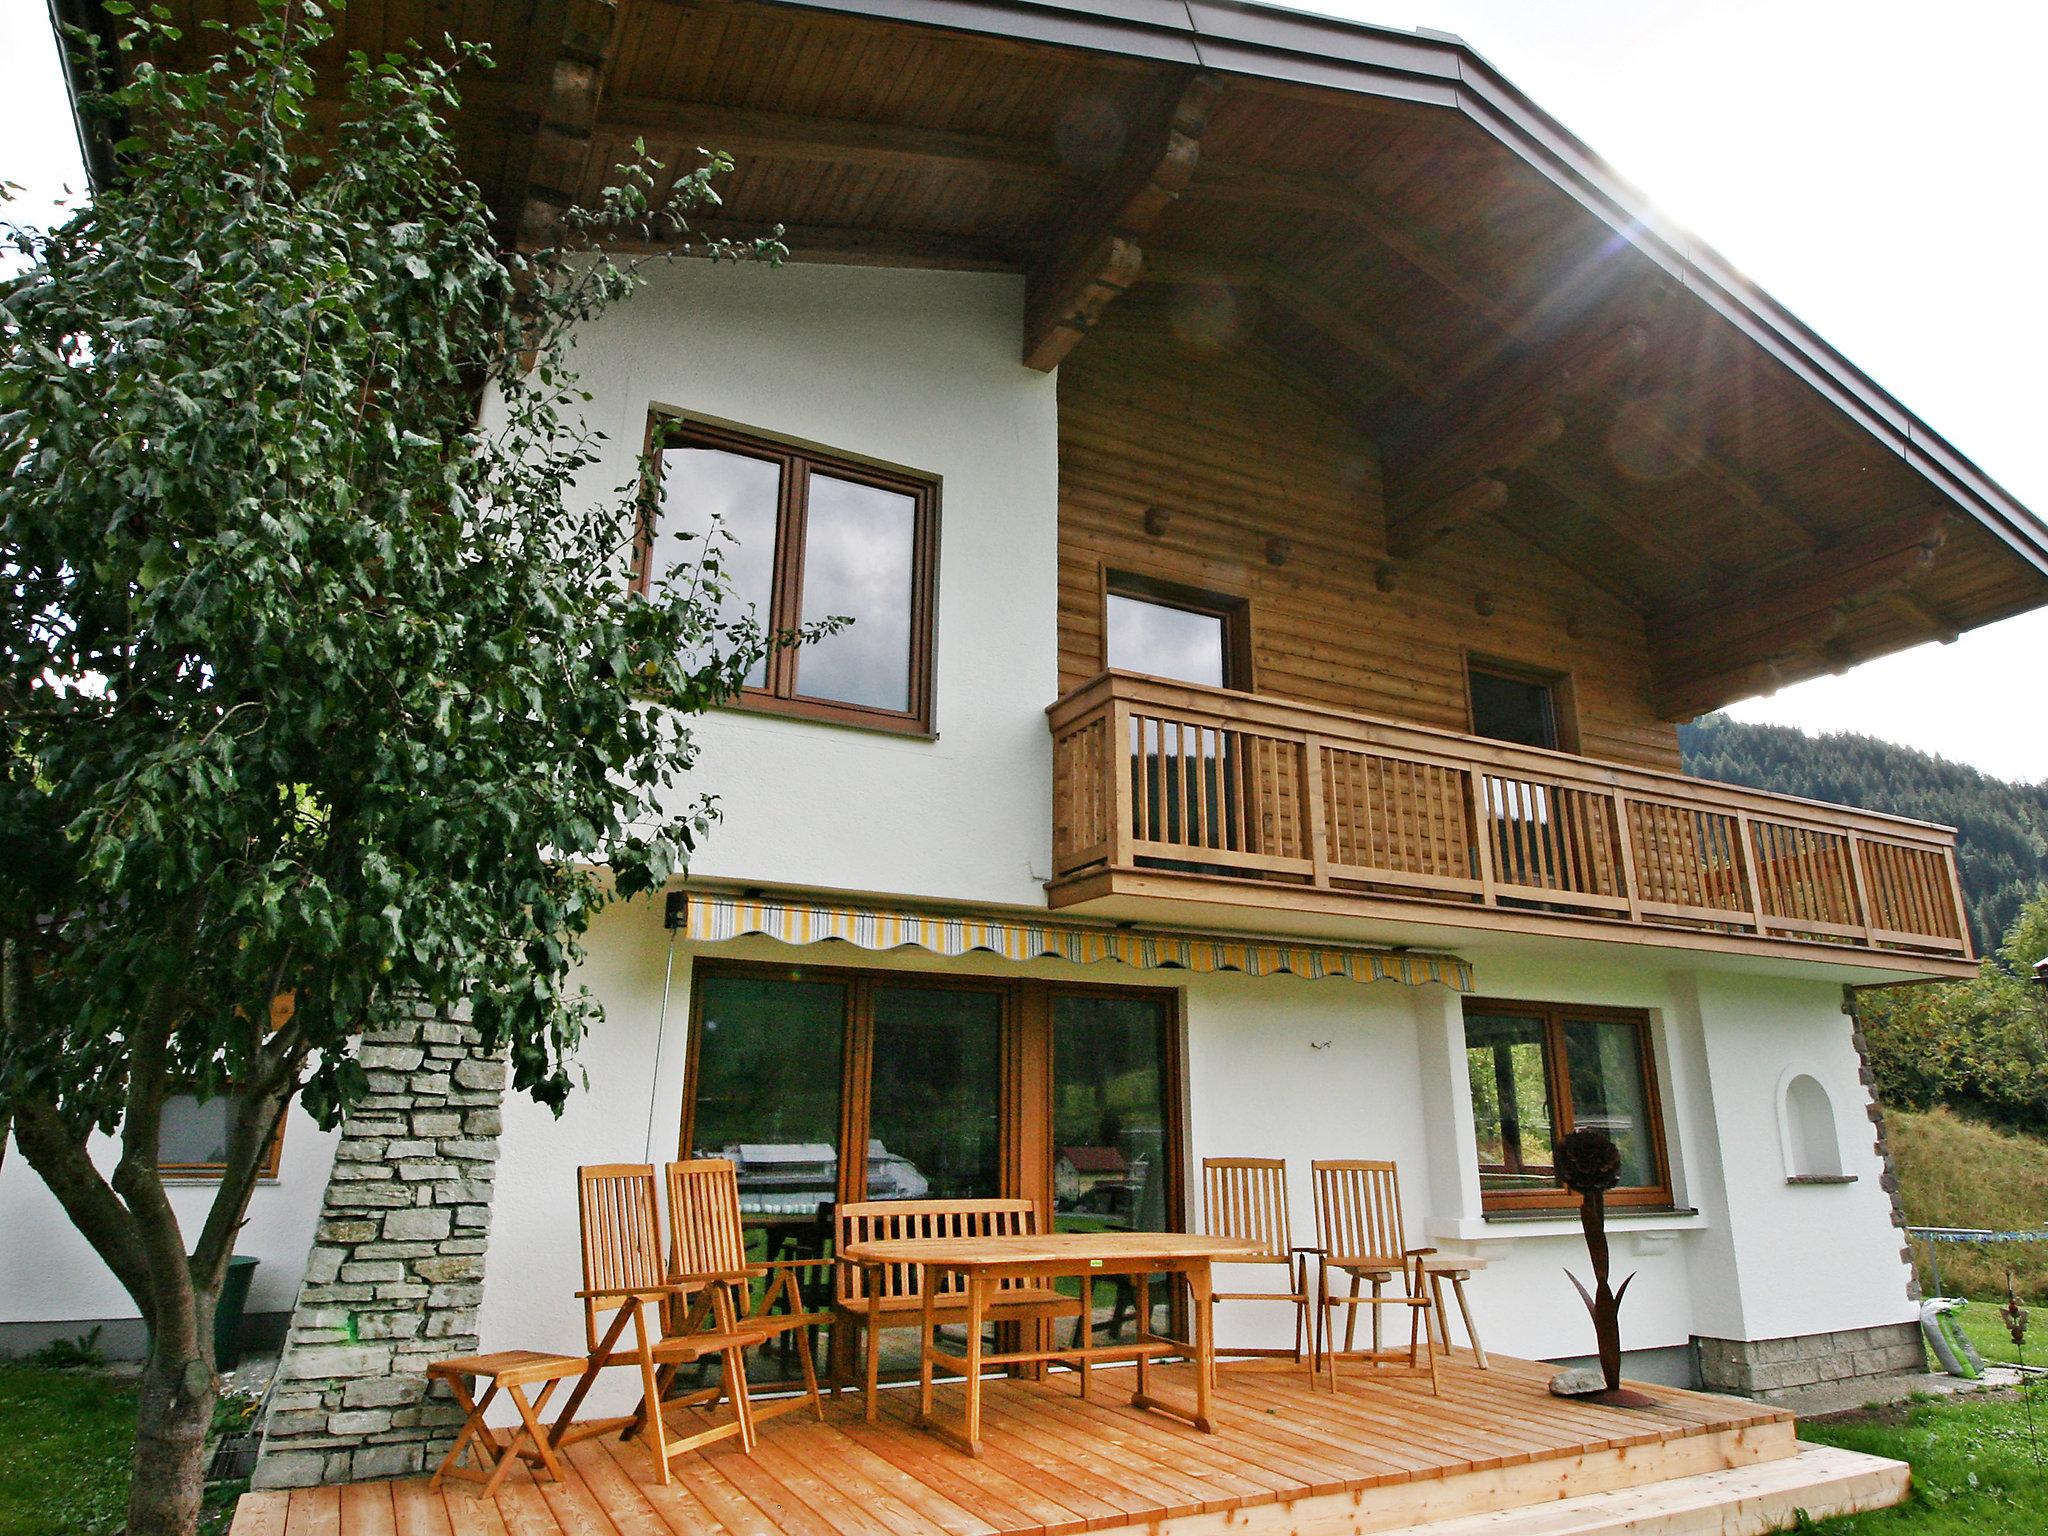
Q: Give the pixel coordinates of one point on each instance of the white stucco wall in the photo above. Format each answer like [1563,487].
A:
[919,369]
[1313,1069]
[50,1275]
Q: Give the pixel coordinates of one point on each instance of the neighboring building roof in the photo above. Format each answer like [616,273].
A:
[1094,1159]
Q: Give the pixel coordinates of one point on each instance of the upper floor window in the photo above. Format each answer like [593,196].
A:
[1520,704]
[1181,633]
[807,536]
[1542,1070]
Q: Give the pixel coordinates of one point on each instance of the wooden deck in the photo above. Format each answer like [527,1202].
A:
[1377,1456]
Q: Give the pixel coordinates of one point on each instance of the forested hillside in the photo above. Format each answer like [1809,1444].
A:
[2002,827]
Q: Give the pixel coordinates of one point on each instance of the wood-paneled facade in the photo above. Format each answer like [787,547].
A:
[1174,417]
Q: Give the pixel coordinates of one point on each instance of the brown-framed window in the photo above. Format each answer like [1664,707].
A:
[806,535]
[952,1086]
[1185,634]
[1541,1070]
[192,1141]
[1525,705]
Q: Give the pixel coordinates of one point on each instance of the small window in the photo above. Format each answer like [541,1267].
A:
[1180,633]
[1526,707]
[192,1139]
[1540,1071]
[808,537]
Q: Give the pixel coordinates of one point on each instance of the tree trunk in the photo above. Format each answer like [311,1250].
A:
[173,1412]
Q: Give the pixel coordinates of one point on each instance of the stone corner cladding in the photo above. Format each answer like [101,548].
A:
[395,1276]
[1764,1367]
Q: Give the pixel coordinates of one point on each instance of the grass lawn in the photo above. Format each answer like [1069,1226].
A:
[1973,1468]
[64,1442]
[65,1438]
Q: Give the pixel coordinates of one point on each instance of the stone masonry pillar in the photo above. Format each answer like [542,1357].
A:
[395,1277]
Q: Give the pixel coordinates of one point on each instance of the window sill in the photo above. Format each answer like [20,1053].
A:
[1498,1226]
[767,707]
[1821,1178]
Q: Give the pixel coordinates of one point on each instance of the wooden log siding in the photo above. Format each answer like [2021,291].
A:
[1222,440]
[1169,779]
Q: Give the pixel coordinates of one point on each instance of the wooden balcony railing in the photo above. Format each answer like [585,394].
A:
[1159,787]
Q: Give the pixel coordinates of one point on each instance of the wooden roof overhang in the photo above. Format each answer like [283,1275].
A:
[1404,234]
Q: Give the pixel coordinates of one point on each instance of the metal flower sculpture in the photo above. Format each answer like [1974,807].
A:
[1589,1164]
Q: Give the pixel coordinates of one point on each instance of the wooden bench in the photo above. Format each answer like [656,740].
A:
[870,1298]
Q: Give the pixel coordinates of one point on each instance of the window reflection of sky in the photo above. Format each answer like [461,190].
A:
[700,486]
[858,543]
[1160,641]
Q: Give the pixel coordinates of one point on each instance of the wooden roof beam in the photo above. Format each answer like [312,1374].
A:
[1352,332]
[1924,616]
[1645,536]
[1098,256]
[573,89]
[1413,532]
[855,245]
[743,132]
[1464,453]
[1392,230]
[1856,569]
[1502,421]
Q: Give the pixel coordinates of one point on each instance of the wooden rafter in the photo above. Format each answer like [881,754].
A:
[1098,255]
[746,132]
[1502,420]
[1662,546]
[1392,230]
[572,92]
[1351,331]
[1409,535]
[1792,621]
[865,245]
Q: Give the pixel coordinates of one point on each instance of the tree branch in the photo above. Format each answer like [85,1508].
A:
[60,1157]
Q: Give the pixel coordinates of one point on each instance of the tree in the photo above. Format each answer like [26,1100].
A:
[1979,1045]
[321,692]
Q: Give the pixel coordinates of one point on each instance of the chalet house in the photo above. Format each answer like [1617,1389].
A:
[1288,490]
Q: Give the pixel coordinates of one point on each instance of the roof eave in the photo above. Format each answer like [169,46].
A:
[1268,42]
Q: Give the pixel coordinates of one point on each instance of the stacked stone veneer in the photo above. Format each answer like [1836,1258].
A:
[396,1272]
[1765,1368]
[1890,1177]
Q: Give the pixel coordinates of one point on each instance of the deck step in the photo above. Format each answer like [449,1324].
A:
[1738,1501]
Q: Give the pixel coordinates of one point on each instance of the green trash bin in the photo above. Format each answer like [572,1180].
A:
[227,1313]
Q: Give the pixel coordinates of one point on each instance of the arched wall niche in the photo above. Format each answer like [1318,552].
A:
[1807,1130]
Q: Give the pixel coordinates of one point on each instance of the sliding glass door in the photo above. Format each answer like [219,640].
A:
[826,1086]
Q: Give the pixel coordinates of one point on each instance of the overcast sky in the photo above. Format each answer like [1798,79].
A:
[1876,166]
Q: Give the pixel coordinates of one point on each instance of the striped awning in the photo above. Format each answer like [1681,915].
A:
[714,916]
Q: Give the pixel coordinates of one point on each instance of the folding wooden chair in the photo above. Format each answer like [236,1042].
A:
[674,1322]
[1247,1197]
[706,1238]
[1358,1226]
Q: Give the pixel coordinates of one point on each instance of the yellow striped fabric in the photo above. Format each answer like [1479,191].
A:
[714,916]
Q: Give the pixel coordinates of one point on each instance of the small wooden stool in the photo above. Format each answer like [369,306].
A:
[1454,1267]
[512,1371]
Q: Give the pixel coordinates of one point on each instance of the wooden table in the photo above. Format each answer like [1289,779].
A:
[983,1263]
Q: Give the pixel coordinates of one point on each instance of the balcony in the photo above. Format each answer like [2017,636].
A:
[1168,791]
